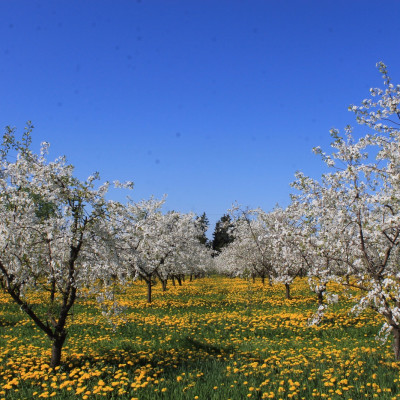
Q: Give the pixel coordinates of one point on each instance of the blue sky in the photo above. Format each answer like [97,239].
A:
[210,102]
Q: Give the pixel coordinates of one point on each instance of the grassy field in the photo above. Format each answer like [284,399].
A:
[214,338]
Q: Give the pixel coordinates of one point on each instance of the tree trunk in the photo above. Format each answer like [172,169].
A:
[173,281]
[254,278]
[164,285]
[287,287]
[263,279]
[53,290]
[56,350]
[148,281]
[179,280]
[396,343]
[320,297]
[191,278]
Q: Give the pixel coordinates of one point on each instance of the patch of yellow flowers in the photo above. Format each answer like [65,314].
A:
[263,340]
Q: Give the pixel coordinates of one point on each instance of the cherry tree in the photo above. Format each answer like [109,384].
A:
[153,244]
[283,234]
[302,239]
[249,253]
[266,245]
[355,210]
[52,236]
[193,259]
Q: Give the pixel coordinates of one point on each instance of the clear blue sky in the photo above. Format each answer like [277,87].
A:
[208,101]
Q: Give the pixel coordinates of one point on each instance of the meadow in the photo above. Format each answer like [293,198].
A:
[213,338]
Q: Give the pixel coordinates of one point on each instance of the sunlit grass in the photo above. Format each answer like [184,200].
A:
[213,338]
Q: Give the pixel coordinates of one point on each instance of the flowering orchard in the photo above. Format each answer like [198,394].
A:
[65,250]
[344,227]
[60,236]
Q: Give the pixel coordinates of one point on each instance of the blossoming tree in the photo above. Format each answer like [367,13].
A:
[154,245]
[355,210]
[52,236]
[249,254]
[284,235]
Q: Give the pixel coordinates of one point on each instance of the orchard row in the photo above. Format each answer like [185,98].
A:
[60,236]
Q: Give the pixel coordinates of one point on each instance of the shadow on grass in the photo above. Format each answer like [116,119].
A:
[8,322]
[192,344]
[188,351]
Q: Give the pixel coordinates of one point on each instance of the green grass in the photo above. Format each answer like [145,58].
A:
[213,338]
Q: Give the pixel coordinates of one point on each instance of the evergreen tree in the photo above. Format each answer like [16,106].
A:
[203,222]
[222,235]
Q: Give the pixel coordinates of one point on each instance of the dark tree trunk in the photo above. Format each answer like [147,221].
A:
[164,284]
[191,278]
[179,280]
[183,277]
[320,297]
[396,343]
[149,285]
[56,349]
[53,290]
[263,279]
[287,287]
[254,278]
[173,281]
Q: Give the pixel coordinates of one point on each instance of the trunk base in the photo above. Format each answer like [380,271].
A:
[149,285]
[396,343]
[287,287]
[56,350]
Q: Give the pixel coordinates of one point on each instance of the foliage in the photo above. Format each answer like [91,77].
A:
[222,235]
[203,223]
